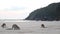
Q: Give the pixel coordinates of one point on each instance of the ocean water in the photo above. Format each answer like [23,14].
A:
[30,27]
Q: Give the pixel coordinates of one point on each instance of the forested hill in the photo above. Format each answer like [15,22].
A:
[48,13]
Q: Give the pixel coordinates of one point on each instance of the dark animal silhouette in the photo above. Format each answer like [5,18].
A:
[15,27]
[42,25]
[3,25]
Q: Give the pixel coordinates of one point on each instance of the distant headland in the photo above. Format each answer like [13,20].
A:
[48,13]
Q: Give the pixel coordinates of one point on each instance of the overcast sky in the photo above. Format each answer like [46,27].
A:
[20,9]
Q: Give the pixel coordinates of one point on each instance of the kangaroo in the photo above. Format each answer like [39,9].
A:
[15,27]
[42,25]
[3,25]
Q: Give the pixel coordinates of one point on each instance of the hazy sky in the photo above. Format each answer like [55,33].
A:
[20,9]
